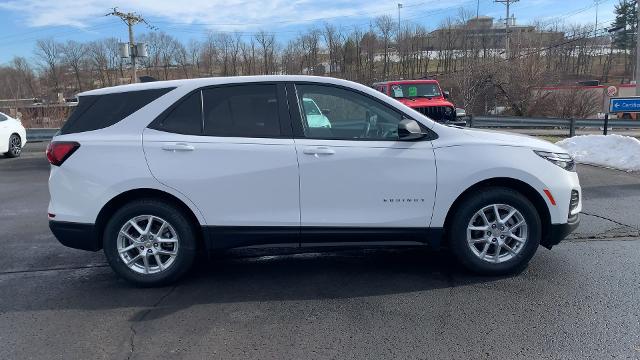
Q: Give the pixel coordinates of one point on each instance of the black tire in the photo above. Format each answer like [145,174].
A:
[464,212]
[181,224]
[14,153]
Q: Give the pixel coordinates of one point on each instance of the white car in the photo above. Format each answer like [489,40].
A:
[313,114]
[13,136]
[155,173]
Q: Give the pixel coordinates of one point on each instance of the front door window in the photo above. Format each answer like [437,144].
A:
[334,113]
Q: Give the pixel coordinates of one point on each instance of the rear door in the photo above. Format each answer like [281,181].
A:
[229,149]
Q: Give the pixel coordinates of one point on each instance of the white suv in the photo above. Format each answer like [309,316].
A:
[155,173]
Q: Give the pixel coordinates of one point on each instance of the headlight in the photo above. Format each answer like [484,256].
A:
[563,160]
[448,113]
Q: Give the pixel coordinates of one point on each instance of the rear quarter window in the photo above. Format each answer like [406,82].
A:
[101,111]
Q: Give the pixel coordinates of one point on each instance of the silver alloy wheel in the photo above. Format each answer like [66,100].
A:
[497,233]
[15,145]
[148,244]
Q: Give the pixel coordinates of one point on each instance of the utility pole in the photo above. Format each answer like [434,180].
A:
[595,28]
[478,9]
[399,26]
[131,19]
[506,25]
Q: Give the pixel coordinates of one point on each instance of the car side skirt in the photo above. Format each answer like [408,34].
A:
[228,237]
[85,237]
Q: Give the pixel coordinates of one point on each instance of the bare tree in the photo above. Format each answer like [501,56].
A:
[267,43]
[74,54]
[385,26]
[332,41]
[181,58]
[464,53]
[49,52]
[516,81]
[194,49]
[25,74]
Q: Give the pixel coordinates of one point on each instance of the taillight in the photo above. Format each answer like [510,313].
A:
[59,151]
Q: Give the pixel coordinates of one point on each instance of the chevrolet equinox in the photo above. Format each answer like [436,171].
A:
[155,173]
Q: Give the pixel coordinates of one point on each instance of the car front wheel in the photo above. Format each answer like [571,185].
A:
[149,243]
[495,231]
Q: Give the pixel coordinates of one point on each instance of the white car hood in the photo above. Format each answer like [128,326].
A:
[491,137]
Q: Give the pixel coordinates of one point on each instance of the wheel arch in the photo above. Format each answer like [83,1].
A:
[518,185]
[145,193]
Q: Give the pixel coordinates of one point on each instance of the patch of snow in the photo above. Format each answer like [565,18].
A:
[612,151]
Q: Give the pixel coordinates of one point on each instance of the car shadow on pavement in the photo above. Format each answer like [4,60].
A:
[241,277]
[347,274]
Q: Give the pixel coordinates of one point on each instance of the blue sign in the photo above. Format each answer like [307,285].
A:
[627,104]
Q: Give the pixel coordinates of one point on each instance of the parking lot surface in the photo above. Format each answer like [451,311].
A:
[578,301]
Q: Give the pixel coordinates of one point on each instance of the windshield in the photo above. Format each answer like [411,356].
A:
[415,90]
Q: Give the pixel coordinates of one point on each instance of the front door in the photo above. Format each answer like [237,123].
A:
[355,173]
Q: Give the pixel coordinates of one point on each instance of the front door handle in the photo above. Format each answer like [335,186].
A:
[177,147]
[317,151]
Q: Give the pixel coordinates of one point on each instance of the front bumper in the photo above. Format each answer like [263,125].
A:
[76,235]
[560,231]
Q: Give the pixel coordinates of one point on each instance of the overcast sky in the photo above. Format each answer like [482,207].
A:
[22,22]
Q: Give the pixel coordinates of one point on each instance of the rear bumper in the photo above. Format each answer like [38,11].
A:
[560,231]
[76,235]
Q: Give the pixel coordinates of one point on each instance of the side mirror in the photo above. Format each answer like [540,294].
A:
[446,94]
[326,111]
[409,130]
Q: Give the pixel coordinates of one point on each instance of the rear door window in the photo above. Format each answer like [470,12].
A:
[101,111]
[185,117]
[241,111]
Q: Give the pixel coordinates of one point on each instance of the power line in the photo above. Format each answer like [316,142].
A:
[297,21]
[575,38]
[176,26]
[300,21]
[580,10]
[56,34]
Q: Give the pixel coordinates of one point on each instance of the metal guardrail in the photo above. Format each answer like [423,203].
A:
[475,121]
[570,124]
[40,134]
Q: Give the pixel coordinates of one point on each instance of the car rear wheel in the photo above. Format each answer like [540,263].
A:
[149,243]
[495,231]
[15,146]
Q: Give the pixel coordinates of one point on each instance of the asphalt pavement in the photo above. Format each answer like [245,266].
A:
[577,301]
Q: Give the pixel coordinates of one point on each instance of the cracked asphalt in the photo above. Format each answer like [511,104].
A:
[578,301]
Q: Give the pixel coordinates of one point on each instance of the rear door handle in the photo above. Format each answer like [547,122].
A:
[177,147]
[319,150]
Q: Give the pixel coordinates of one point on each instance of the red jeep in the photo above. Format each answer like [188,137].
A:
[424,96]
